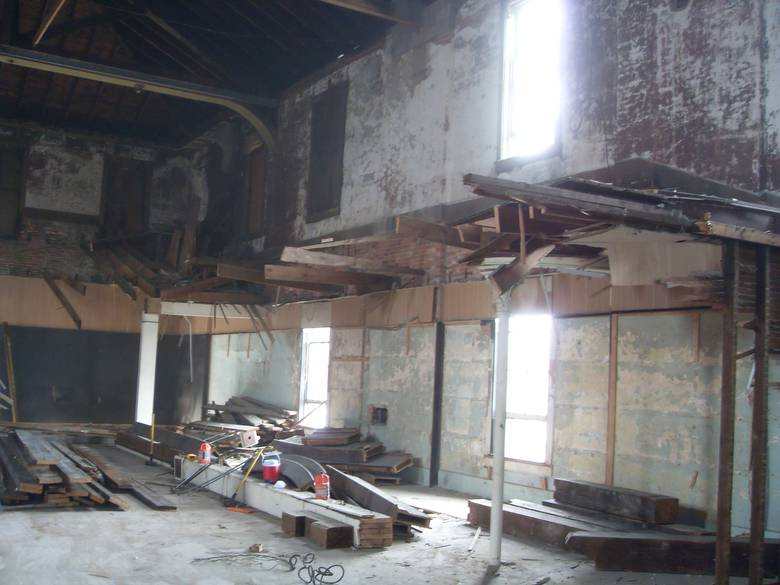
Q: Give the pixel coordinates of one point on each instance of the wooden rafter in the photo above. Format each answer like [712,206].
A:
[401,11]
[508,276]
[66,304]
[48,20]
[257,276]
[203,285]
[326,276]
[433,232]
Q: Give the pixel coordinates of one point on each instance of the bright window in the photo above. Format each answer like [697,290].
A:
[531,92]
[315,353]
[528,388]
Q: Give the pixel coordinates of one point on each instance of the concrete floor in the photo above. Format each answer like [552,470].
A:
[144,547]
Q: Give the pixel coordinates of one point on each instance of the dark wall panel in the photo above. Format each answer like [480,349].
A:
[176,398]
[73,376]
[89,376]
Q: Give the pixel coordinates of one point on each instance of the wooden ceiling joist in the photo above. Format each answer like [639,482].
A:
[47,22]
[406,225]
[348,263]
[257,276]
[508,276]
[179,292]
[306,274]
[66,304]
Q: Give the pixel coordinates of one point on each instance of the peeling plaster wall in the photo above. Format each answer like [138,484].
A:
[639,79]
[178,185]
[580,381]
[345,377]
[242,366]
[399,376]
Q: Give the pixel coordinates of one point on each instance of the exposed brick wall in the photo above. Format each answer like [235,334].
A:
[48,248]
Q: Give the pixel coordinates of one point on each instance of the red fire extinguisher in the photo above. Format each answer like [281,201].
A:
[204,455]
[322,486]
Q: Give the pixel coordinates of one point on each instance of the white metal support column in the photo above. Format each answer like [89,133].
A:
[499,430]
[147,364]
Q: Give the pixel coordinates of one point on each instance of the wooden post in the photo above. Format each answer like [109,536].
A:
[9,369]
[727,407]
[759,435]
[609,476]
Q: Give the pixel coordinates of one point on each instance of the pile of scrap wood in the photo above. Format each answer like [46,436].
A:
[39,472]
[272,422]
[344,450]
[621,529]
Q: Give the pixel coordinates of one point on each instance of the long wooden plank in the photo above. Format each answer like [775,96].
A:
[41,453]
[312,258]
[151,498]
[634,504]
[13,464]
[257,276]
[111,497]
[111,472]
[354,453]
[81,462]
[666,553]
[386,463]
[196,286]
[527,523]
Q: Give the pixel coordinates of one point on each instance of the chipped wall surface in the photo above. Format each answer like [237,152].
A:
[399,376]
[345,377]
[639,79]
[64,177]
[242,366]
[177,186]
[580,382]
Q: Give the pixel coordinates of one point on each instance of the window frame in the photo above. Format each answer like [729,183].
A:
[549,418]
[508,163]
[334,103]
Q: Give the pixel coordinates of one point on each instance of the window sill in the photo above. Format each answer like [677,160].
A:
[528,467]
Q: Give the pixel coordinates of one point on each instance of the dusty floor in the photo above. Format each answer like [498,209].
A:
[144,547]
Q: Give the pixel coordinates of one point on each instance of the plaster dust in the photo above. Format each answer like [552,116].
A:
[144,547]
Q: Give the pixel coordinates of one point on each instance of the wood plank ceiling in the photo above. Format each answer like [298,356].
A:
[254,46]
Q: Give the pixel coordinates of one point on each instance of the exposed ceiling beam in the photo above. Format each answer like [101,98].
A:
[508,276]
[401,11]
[349,263]
[48,20]
[326,276]
[69,27]
[238,102]
[258,276]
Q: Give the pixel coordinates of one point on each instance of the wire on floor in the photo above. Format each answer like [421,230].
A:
[304,564]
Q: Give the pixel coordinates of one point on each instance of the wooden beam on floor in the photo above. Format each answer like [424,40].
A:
[727,411]
[349,263]
[66,304]
[759,437]
[275,272]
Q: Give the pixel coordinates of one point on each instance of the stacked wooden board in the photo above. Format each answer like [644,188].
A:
[41,472]
[343,449]
[619,528]
[271,422]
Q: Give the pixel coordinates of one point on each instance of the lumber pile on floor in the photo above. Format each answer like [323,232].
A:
[344,450]
[620,529]
[40,472]
[271,422]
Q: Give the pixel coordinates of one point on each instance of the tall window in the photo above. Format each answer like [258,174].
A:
[528,388]
[531,92]
[315,353]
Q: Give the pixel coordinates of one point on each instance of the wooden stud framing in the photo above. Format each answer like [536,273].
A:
[727,412]
[66,304]
[759,434]
[609,476]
